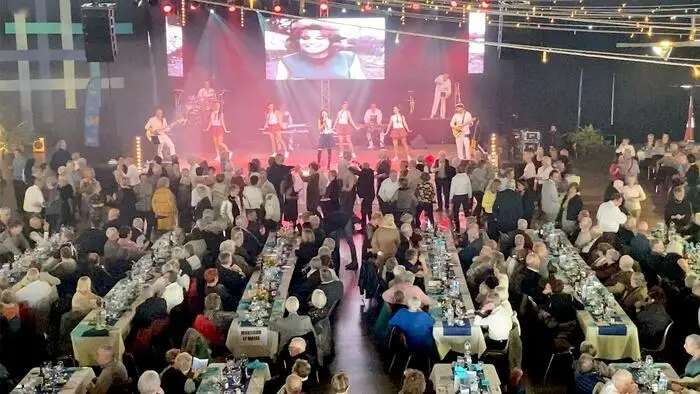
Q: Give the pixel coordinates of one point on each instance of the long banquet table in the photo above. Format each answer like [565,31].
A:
[86,338]
[249,340]
[613,341]
[455,337]
[77,382]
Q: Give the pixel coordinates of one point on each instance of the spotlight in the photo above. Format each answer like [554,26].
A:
[453,3]
[193,6]
[211,11]
[277,8]
[367,7]
[324,6]
[232,8]
[415,6]
[166,8]
[485,4]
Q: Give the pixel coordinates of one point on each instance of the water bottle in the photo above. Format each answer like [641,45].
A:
[663,383]
[467,354]
[450,316]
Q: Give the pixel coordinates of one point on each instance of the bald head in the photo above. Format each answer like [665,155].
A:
[293,384]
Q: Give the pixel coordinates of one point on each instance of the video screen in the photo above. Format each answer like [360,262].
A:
[330,48]
[477,32]
[173,46]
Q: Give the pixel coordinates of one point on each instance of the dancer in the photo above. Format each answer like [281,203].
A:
[343,126]
[399,132]
[217,127]
[274,126]
[326,139]
[460,123]
[443,90]
[156,129]
[373,124]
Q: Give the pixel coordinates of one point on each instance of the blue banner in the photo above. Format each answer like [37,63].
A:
[93,102]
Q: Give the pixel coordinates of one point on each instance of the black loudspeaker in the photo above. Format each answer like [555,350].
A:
[98,30]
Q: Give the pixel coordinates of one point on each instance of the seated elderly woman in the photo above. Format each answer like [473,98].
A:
[38,231]
[302,369]
[587,249]
[212,286]
[213,323]
[176,379]
[84,300]
[293,325]
[619,282]
[584,235]
[635,294]
[406,286]
[480,267]
[586,377]
[608,267]
[318,313]
[340,384]
[416,325]
[599,366]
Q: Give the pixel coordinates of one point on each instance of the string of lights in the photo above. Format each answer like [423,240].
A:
[678,62]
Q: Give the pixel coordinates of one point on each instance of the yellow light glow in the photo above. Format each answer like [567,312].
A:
[545,57]
[696,72]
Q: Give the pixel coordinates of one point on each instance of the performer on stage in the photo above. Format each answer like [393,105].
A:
[207,91]
[156,129]
[217,127]
[274,126]
[343,126]
[287,120]
[373,124]
[326,139]
[399,132]
[460,123]
[443,90]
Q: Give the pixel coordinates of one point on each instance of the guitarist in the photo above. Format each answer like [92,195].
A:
[460,123]
[156,127]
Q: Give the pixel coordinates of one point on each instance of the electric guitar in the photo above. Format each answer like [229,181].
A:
[150,133]
[460,129]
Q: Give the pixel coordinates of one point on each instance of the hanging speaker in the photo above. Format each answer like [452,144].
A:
[39,145]
[98,31]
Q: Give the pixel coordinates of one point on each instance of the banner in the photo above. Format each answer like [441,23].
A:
[93,102]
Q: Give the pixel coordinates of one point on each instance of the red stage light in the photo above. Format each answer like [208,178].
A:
[324,6]
[232,8]
[415,6]
[166,8]
[193,7]
[453,3]
[485,4]
[367,7]
[277,8]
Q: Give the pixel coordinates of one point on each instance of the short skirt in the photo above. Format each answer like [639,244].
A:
[326,141]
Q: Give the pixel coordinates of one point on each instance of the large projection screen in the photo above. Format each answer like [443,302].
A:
[329,48]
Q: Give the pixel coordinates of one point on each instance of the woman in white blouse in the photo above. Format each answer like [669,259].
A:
[633,195]
[530,171]
[544,170]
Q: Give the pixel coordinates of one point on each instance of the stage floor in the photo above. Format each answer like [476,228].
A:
[303,157]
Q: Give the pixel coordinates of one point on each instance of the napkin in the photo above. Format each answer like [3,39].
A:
[456,331]
[613,329]
[256,365]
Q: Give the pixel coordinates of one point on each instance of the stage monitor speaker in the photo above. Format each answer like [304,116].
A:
[98,30]
[39,145]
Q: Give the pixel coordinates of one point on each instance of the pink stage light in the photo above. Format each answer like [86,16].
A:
[232,8]
[277,8]
[324,6]
[453,3]
[166,8]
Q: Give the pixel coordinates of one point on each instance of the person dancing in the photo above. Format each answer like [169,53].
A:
[398,127]
[343,126]
[326,139]
[217,127]
[273,125]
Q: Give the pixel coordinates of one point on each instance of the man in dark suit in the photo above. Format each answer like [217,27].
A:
[277,172]
[365,190]
[92,240]
[444,173]
[152,308]
[507,209]
[231,277]
[102,281]
[532,282]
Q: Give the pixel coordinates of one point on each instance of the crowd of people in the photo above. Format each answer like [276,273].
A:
[108,220]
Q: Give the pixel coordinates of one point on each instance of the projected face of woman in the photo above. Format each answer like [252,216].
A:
[313,42]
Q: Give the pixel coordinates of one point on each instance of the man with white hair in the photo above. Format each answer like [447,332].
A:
[405,285]
[622,382]
[472,247]
[497,316]
[416,324]
[149,383]
[293,325]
